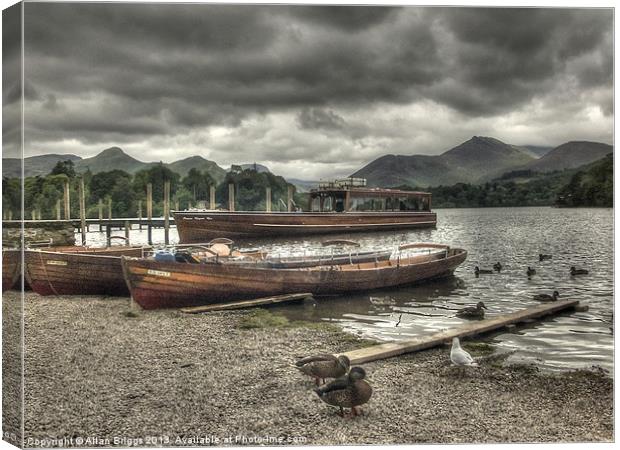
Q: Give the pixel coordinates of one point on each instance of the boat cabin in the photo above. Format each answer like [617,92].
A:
[352,195]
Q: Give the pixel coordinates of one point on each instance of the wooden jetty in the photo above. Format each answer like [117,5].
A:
[248,303]
[391,349]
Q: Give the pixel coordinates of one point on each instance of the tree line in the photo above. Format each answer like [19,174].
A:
[127,192]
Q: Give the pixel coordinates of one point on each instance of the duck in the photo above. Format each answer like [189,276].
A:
[349,391]
[478,271]
[574,271]
[324,366]
[530,271]
[474,312]
[547,297]
[497,266]
[542,257]
[460,357]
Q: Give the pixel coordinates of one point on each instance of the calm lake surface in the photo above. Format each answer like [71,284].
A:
[513,236]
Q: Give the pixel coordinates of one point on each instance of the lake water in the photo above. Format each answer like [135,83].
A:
[512,236]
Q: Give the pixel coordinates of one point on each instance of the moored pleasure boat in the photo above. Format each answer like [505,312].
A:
[339,207]
[155,284]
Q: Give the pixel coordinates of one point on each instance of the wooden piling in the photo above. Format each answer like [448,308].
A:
[268,199]
[211,197]
[67,200]
[10,214]
[109,209]
[140,215]
[149,212]
[166,212]
[58,216]
[82,199]
[289,200]
[100,206]
[231,197]
[424,342]
[127,229]
[33,214]
[176,205]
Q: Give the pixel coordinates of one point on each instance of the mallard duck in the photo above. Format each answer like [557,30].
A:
[497,266]
[547,297]
[324,366]
[478,271]
[530,271]
[542,257]
[574,271]
[349,391]
[474,312]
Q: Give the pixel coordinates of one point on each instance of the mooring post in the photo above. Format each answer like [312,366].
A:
[100,205]
[33,214]
[67,200]
[10,214]
[166,212]
[176,205]
[149,212]
[211,197]
[268,199]
[110,209]
[140,215]
[82,196]
[108,234]
[58,216]
[231,197]
[289,200]
[127,229]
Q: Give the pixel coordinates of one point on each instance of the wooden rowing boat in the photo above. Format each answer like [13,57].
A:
[167,284]
[78,270]
[11,268]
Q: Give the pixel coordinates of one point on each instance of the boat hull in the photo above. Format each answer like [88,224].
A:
[78,272]
[11,268]
[206,225]
[167,285]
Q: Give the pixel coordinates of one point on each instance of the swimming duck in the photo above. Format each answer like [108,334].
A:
[324,366]
[478,271]
[497,266]
[530,271]
[474,312]
[542,257]
[349,391]
[574,271]
[547,297]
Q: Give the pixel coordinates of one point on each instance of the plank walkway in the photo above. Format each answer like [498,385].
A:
[247,303]
[391,349]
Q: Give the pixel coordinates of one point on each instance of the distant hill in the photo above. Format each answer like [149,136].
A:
[258,167]
[109,159]
[570,155]
[33,165]
[473,161]
[198,162]
[536,151]
[591,185]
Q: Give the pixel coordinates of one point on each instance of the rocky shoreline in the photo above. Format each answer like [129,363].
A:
[101,373]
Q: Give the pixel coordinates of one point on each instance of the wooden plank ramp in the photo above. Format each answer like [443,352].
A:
[391,349]
[248,303]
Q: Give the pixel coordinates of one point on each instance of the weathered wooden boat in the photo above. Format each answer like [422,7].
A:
[11,268]
[339,207]
[156,284]
[78,270]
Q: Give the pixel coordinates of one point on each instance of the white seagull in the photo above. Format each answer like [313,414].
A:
[460,357]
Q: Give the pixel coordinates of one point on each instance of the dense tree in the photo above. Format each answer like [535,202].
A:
[197,184]
[156,175]
[250,190]
[64,168]
[102,183]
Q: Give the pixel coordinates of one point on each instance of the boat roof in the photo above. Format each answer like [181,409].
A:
[381,192]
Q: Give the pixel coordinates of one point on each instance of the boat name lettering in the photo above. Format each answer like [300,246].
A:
[158,273]
[53,262]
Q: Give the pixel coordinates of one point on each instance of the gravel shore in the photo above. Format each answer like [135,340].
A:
[101,373]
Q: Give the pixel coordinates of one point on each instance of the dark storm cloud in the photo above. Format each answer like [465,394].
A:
[101,72]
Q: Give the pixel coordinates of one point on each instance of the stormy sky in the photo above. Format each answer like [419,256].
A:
[312,92]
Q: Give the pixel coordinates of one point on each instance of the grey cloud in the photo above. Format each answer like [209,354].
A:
[315,118]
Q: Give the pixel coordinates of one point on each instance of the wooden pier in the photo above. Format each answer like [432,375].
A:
[391,349]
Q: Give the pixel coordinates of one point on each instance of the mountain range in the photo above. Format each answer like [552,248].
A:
[477,160]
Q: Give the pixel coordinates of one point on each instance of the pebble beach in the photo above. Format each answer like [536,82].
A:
[101,372]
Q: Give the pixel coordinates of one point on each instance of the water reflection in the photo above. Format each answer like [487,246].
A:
[512,236]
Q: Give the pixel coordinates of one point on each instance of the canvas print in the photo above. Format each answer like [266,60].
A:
[250,224]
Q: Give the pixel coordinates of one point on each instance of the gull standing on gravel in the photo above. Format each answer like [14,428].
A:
[460,357]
